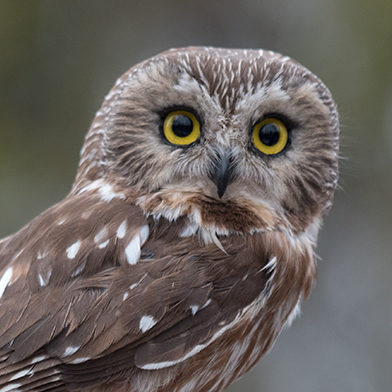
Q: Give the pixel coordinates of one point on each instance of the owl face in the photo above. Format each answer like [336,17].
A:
[224,130]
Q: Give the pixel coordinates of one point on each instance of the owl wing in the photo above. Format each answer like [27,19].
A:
[89,292]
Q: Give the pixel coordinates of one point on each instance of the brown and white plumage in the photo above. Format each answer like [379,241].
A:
[144,278]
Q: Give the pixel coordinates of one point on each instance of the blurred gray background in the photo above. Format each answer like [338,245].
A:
[58,60]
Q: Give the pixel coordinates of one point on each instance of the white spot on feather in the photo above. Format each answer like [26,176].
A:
[39,358]
[22,373]
[125,296]
[132,251]
[5,280]
[146,323]
[71,350]
[194,309]
[43,281]
[249,311]
[41,255]
[105,190]
[206,303]
[11,387]
[101,235]
[122,230]
[73,250]
[196,349]
[132,286]
[80,360]
[79,270]
[144,233]
[103,244]
[86,214]
[107,193]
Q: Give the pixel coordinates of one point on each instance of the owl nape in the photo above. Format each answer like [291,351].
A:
[188,239]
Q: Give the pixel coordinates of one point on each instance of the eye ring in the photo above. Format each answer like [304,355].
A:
[270,136]
[181,128]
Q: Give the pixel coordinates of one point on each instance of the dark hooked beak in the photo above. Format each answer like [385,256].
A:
[222,172]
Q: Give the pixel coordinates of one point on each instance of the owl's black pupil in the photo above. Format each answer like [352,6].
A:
[182,126]
[269,134]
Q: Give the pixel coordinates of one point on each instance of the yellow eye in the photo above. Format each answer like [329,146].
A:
[270,136]
[181,128]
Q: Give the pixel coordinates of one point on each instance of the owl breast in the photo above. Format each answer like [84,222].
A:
[242,294]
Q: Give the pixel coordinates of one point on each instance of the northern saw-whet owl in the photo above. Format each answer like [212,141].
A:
[188,239]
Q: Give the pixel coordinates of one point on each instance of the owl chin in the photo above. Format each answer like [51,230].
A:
[222,216]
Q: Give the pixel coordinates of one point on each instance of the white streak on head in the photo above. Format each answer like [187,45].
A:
[71,350]
[5,280]
[73,250]
[146,323]
[132,251]
[122,230]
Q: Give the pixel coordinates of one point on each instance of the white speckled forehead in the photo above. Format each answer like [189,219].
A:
[228,79]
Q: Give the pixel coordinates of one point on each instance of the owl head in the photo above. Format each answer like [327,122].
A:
[236,140]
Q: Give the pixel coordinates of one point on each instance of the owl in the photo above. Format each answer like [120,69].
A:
[187,241]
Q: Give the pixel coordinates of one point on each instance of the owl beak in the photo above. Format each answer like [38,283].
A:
[222,173]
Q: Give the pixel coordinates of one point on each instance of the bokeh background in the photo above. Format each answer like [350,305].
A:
[59,58]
